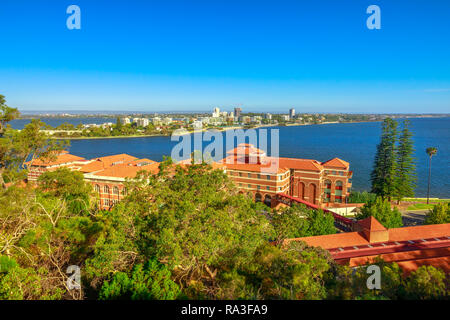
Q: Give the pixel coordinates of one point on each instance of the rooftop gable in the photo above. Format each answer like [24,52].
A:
[336,163]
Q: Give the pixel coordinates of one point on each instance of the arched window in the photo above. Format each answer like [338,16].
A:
[97,188]
[312,193]
[106,189]
[268,200]
[116,190]
[124,191]
[338,192]
[258,197]
[301,190]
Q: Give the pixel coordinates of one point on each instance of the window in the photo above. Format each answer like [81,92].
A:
[259,176]
[116,190]
[268,177]
[334,172]
[106,189]
[259,187]
[124,191]
[341,173]
[240,174]
[268,188]
[249,186]
[249,175]
[97,188]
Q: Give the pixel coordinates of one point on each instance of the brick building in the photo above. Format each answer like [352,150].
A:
[61,159]
[409,247]
[322,183]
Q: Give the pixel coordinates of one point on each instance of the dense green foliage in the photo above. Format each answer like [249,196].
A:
[381,210]
[383,174]
[405,171]
[439,214]
[300,221]
[393,174]
[361,197]
[147,282]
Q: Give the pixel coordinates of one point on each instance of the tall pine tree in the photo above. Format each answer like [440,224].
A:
[405,173]
[383,173]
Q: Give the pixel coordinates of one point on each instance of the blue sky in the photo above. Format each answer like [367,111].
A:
[316,56]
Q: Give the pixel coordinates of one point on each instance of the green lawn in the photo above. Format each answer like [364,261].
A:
[421,206]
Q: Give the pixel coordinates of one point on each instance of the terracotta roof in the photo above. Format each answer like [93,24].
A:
[331,241]
[419,232]
[336,163]
[127,170]
[301,164]
[245,148]
[61,158]
[372,224]
[101,163]
[413,255]
[270,166]
[439,262]
[349,239]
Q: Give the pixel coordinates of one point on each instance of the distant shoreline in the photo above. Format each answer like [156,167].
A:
[229,128]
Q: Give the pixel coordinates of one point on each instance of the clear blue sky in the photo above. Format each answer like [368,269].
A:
[316,56]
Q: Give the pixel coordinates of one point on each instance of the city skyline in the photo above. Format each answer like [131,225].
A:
[179,57]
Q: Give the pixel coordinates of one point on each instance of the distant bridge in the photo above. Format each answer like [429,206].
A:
[341,222]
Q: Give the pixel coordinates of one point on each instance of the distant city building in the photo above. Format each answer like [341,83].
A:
[125,120]
[244,119]
[237,112]
[167,121]
[156,121]
[143,122]
[292,113]
[197,124]
[268,116]
[106,125]
[285,117]
[216,113]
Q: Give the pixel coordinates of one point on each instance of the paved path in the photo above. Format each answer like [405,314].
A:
[413,217]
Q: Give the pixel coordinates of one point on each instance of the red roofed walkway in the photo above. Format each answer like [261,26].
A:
[341,222]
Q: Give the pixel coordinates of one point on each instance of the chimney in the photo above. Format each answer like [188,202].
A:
[372,230]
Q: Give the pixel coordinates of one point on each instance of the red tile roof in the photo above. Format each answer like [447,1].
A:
[301,164]
[127,170]
[336,163]
[372,224]
[419,232]
[62,158]
[102,163]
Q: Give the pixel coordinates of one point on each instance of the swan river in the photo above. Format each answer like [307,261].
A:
[352,142]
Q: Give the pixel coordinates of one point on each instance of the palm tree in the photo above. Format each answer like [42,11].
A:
[431,152]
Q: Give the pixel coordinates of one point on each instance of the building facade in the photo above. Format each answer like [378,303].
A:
[320,183]
[409,247]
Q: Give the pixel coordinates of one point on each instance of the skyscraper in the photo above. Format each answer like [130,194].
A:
[237,112]
[216,113]
[292,113]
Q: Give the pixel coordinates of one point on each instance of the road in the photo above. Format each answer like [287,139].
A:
[413,217]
